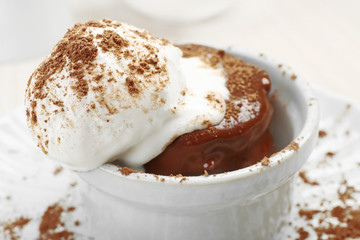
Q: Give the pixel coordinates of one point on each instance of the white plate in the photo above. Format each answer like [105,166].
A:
[31,184]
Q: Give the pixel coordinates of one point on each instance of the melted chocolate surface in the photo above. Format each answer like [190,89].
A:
[241,139]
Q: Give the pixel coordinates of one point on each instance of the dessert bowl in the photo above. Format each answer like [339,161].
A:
[249,203]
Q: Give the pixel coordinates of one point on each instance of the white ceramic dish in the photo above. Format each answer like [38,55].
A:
[29,180]
[250,203]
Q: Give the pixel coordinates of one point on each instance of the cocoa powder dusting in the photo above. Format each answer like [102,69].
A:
[112,42]
[132,86]
[50,221]
[12,228]
[350,228]
[81,87]
[345,192]
[308,214]
[302,175]
[302,234]
[242,77]
[347,215]
[75,53]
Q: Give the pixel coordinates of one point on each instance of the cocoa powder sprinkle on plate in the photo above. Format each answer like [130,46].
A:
[302,175]
[50,221]
[12,228]
[322,133]
[58,170]
[302,234]
[330,154]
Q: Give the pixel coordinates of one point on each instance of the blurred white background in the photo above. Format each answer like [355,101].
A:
[320,39]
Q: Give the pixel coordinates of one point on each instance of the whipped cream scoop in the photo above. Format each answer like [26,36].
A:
[111,91]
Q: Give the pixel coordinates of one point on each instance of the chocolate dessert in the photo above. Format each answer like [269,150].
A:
[241,139]
[111,91]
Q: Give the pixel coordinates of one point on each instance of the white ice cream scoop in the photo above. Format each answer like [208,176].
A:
[112,91]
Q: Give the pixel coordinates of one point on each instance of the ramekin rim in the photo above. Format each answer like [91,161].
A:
[310,125]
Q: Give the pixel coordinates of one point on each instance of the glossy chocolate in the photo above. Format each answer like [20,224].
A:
[241,139]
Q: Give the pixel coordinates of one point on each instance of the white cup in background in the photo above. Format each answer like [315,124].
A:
[180,11]
[30,28]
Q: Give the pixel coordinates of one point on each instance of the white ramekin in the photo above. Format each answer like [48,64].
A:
[249,203]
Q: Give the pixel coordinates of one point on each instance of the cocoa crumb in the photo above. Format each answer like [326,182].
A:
[126,171]
[71,209]
[303,176]
[144,34]
[265,161]
[33,116]
[330,154]
[111,41]
[302,234]
[58,103]
[46,143]
[183,179]
[42,148]
[206,123]
[347,193]
[308,214]
[292,146]
[322,133]
[58,170]
[133,86]
[81,87]
[293,77]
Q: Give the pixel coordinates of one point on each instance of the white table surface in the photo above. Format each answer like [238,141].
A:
[320,39]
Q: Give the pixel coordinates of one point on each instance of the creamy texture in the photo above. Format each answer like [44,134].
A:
[112,91]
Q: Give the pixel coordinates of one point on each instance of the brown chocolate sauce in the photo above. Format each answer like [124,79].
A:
[241,139]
